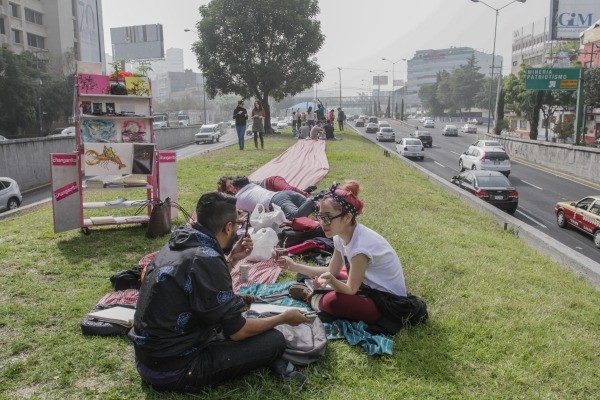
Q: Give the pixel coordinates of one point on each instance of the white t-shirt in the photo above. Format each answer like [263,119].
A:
[251,195]
[384,270]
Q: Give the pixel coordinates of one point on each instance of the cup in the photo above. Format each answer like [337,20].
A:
[279,252]
[244,268]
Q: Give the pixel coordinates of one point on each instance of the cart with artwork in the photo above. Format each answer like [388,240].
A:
[114,176]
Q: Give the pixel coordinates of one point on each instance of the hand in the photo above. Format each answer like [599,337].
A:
[323,280]
[285,262]
[241,249]
[294,317]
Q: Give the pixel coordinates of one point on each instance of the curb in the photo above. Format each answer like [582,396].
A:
[537,240]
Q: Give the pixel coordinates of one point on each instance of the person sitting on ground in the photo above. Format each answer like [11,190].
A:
[328,128]
[315,132]
[304,131]
[369,259]
[273,183]
[188,330]
[249,195]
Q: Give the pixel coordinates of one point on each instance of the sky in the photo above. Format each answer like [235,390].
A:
[358,33]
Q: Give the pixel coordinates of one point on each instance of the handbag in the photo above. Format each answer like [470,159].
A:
[261,218]
[160,218]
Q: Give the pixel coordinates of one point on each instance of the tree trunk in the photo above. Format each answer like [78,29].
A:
[265,103]
[401,111]
[535,115]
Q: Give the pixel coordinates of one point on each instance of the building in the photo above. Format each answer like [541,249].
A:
[174,85]
[51,28]
[589,50]
[529,45]
[425,65]
[173,62]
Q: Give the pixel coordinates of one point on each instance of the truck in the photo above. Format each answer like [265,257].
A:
[161,121]
[189,117]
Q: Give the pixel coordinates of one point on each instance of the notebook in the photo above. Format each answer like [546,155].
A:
[272,308]
[115,315]
[326,289]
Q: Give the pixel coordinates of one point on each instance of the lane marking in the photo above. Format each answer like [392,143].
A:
[581,181]
[531,184]
[532,219]
[441,165]
[453,152]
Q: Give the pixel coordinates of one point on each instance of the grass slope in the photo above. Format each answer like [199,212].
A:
[506,322]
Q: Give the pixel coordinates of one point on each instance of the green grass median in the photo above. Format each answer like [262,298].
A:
[505,321]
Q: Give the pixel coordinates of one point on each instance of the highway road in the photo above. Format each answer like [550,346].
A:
[539,188]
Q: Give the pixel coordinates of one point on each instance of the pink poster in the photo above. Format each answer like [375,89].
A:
[93,84]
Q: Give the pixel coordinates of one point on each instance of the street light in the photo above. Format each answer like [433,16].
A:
[40,108]
[393,82]
[203,82]
[340,72]
[497,10]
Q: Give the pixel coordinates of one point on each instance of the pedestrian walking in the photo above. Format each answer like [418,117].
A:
[341,118]
[240,115]
[258,125]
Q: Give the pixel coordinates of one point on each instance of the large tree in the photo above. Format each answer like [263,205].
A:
[466,82]
[260,49]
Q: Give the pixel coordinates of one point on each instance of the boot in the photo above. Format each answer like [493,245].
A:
[262,143]
[256,142]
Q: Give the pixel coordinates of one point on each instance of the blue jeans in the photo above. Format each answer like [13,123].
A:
[240,129]
[293,204]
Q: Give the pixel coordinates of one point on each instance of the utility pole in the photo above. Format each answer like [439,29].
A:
[340,72]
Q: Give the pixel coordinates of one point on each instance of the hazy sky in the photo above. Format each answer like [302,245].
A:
[357,33]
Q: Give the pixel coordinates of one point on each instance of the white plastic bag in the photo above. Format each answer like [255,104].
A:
[261,218]
[263,240]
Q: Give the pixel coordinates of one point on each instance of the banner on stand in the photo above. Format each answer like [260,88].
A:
[66,192]
[167,177]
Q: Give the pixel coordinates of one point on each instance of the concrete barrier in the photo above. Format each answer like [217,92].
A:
[28,160]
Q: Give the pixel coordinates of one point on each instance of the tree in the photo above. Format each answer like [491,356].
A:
[388,109]
[591,86]
[465,82]
[259,51]
[552,100]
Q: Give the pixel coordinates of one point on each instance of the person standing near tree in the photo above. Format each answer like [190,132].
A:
[240,115]
[310,117]
[341,118]
[258,126]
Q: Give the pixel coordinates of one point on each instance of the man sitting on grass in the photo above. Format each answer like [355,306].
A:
[188,331]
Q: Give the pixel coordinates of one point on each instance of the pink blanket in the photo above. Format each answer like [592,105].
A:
[301,165]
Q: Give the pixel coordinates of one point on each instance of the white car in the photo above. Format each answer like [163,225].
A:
[2,138]
[450,130]
[429,123]
[383,124]
[385,134]
[488,143]
[485,158]
[58,132]
[10,195]
[281,125]
[411,147]
[468,128]
[232,124]
[208,133]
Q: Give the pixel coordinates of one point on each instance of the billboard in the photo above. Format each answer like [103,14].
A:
[568,18]
[142,42]
[91,36]
[380,80]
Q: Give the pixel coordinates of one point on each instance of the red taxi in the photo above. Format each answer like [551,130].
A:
[583,215]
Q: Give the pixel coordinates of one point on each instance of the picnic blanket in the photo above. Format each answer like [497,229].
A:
[259,272]
[301,165]
[354,333]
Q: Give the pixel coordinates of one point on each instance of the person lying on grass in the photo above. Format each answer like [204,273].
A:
[188,330]
[273,183]
[372,266]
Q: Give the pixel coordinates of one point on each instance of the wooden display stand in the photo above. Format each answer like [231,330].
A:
[116,150]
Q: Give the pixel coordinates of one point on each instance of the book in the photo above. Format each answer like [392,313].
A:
[309,284]
[272,308]
[115,315]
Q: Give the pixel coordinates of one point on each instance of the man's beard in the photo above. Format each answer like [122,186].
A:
[230,243]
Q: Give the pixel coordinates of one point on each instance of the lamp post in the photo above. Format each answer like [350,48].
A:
[203,81]
[378,89]
[340,72]
[393,82]
[40,108]
[497,10]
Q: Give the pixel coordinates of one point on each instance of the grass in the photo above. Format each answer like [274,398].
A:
[506,322]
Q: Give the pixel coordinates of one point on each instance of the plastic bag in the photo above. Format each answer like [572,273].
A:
[264,240]
[261,218]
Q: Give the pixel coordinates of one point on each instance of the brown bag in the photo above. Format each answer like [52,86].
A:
[160,219]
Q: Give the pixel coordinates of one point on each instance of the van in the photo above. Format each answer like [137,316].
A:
[373,119]
[183,120]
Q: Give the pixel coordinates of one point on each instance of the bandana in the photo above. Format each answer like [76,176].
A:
[346,206]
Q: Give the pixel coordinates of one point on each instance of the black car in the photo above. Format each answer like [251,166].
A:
[491,186]
[425,137]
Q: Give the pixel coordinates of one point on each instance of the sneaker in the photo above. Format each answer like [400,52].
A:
[299,292]
[310,189]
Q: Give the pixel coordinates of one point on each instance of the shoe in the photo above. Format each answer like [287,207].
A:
[300,292]
[310,189]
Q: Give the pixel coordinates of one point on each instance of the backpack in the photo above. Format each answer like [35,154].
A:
[305,343]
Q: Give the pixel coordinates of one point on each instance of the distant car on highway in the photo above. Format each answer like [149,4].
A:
[490,186]
[383,124]
[583,215]
[424,136]
[281,125]
[10,195]
[385,134]
[468,128]
[486,158]
[58,132]
[2,138]
[232,123]
[450,130]
[208,133]
[371,127]
[359,123]
[488,143]
[373,119]
[411,148]
[428,123]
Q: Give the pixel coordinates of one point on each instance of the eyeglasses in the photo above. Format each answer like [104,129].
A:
[326,219]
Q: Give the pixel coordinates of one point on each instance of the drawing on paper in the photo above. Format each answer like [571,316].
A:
[103,159]
[134,131]
[98,131]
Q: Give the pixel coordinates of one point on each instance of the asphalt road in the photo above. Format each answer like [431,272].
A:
[539,188]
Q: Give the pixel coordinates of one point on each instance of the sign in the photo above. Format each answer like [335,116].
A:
[66,193]
[568,18]
[141,42]
[399,82]
[551,78]
[91,35]
[380,80]
[167,177]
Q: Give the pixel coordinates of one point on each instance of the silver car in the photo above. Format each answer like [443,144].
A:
[10,195]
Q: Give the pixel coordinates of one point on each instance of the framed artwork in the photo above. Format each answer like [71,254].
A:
[97,108]
[98,131]
[110,108]
[86,107]
[137,86]
[93,84]
[143,159]
[134,131]
[107,158]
